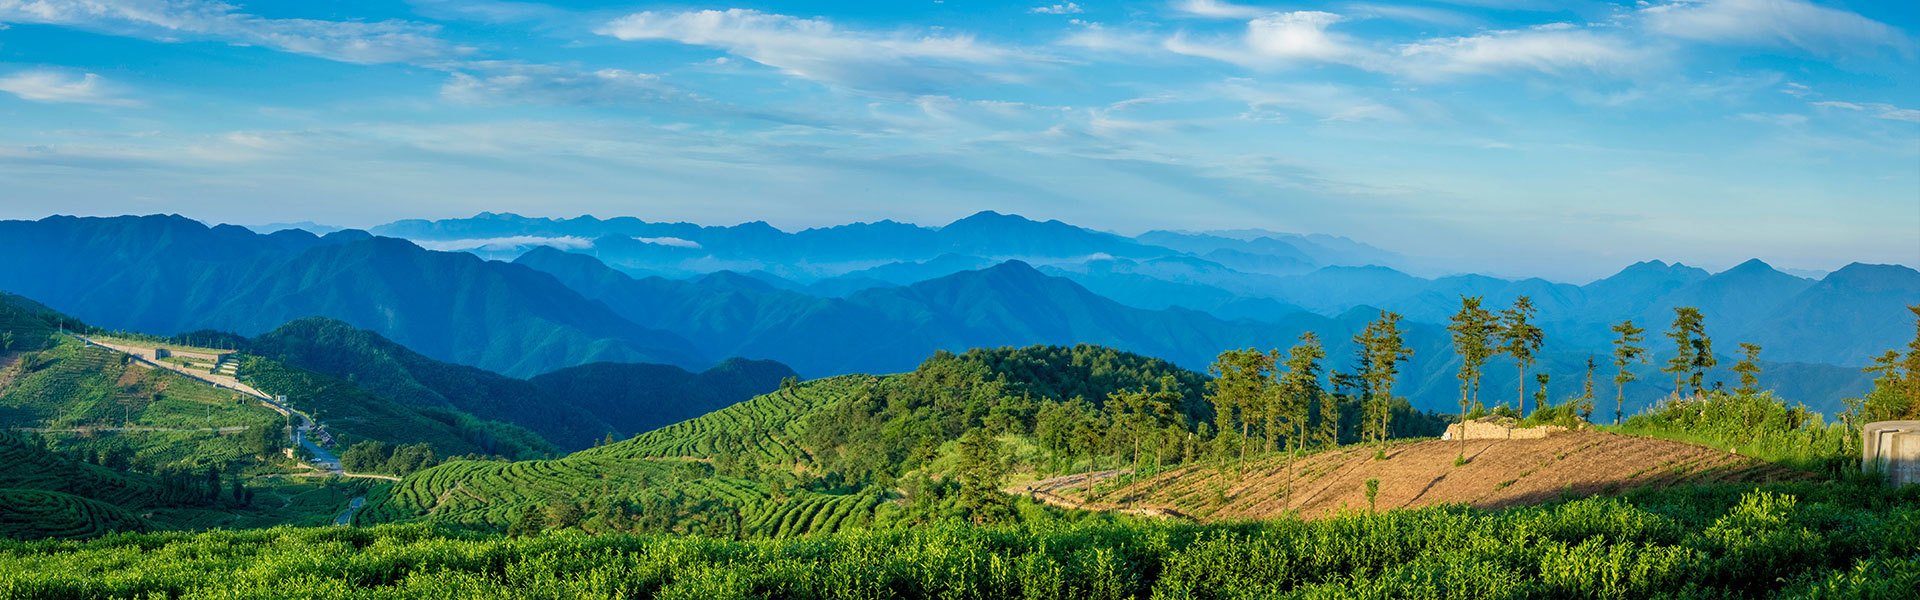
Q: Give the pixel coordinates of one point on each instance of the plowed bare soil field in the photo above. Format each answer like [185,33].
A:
[1499,473]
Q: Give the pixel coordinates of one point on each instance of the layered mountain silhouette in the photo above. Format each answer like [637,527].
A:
[879,297]
[170,274]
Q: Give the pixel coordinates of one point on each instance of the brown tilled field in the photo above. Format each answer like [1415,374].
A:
[1499,473]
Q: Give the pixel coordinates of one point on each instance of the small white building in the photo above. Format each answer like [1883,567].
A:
[1892,448]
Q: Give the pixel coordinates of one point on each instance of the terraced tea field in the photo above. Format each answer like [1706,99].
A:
[40,514]
[31,468]
[663,467]
[765,429]
[1499,474]
[495,494]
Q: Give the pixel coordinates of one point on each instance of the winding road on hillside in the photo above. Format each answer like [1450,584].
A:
[320,457]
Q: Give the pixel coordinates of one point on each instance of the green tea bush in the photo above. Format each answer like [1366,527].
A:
[1790,541]
[1758,425]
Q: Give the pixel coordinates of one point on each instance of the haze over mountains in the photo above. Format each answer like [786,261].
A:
[880,297]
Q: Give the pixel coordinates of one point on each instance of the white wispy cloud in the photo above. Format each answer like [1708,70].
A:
[815,49]
[505,244]
[174,20]
[1216,9]
[1779,22]
[1546,49]
[495,83]
[1878,110]
[1279,39]
[1776,119]
[1070,8]
[56,86]
[1327,102]
[1107,42]
[1412,14]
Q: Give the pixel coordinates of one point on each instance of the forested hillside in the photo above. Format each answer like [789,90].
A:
[572,407]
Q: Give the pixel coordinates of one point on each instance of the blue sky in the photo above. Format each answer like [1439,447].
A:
[1529,137]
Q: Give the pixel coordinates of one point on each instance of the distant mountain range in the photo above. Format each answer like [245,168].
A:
[168,274]
[879,297]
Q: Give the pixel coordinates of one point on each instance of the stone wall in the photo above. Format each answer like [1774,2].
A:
[1503,429]
[1892,448]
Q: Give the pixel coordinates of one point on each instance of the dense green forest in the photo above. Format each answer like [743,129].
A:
[572,408]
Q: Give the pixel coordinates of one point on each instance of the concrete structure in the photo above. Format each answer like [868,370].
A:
[1498,428]
[1891,448]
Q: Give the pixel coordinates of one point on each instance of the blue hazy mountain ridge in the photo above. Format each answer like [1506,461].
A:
[168,274]
[556,309]
[1013,304]
[685,250]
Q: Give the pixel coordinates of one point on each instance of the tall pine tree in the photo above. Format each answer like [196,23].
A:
[1693,351]
[1385,348]
[1626,351]
[1749,369]
[1300,389]
[1521,340]
[1473,328]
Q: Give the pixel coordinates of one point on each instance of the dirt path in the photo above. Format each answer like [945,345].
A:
[1057,491]
[147,355]
[1500,473]
[321,458]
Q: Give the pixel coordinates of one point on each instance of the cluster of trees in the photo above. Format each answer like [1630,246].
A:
[1896,390]
[662,508]
[374,456]
[1480,334]
[181,485]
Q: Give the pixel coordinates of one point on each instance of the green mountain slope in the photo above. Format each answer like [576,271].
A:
[67,384]
[573,407]
[642,397]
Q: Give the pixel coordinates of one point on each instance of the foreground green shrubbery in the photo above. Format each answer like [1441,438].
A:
[1754,424]
[1799,540]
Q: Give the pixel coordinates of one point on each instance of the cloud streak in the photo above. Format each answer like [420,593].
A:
[54,86]
[170,20]
[1775,22]
[817,50]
